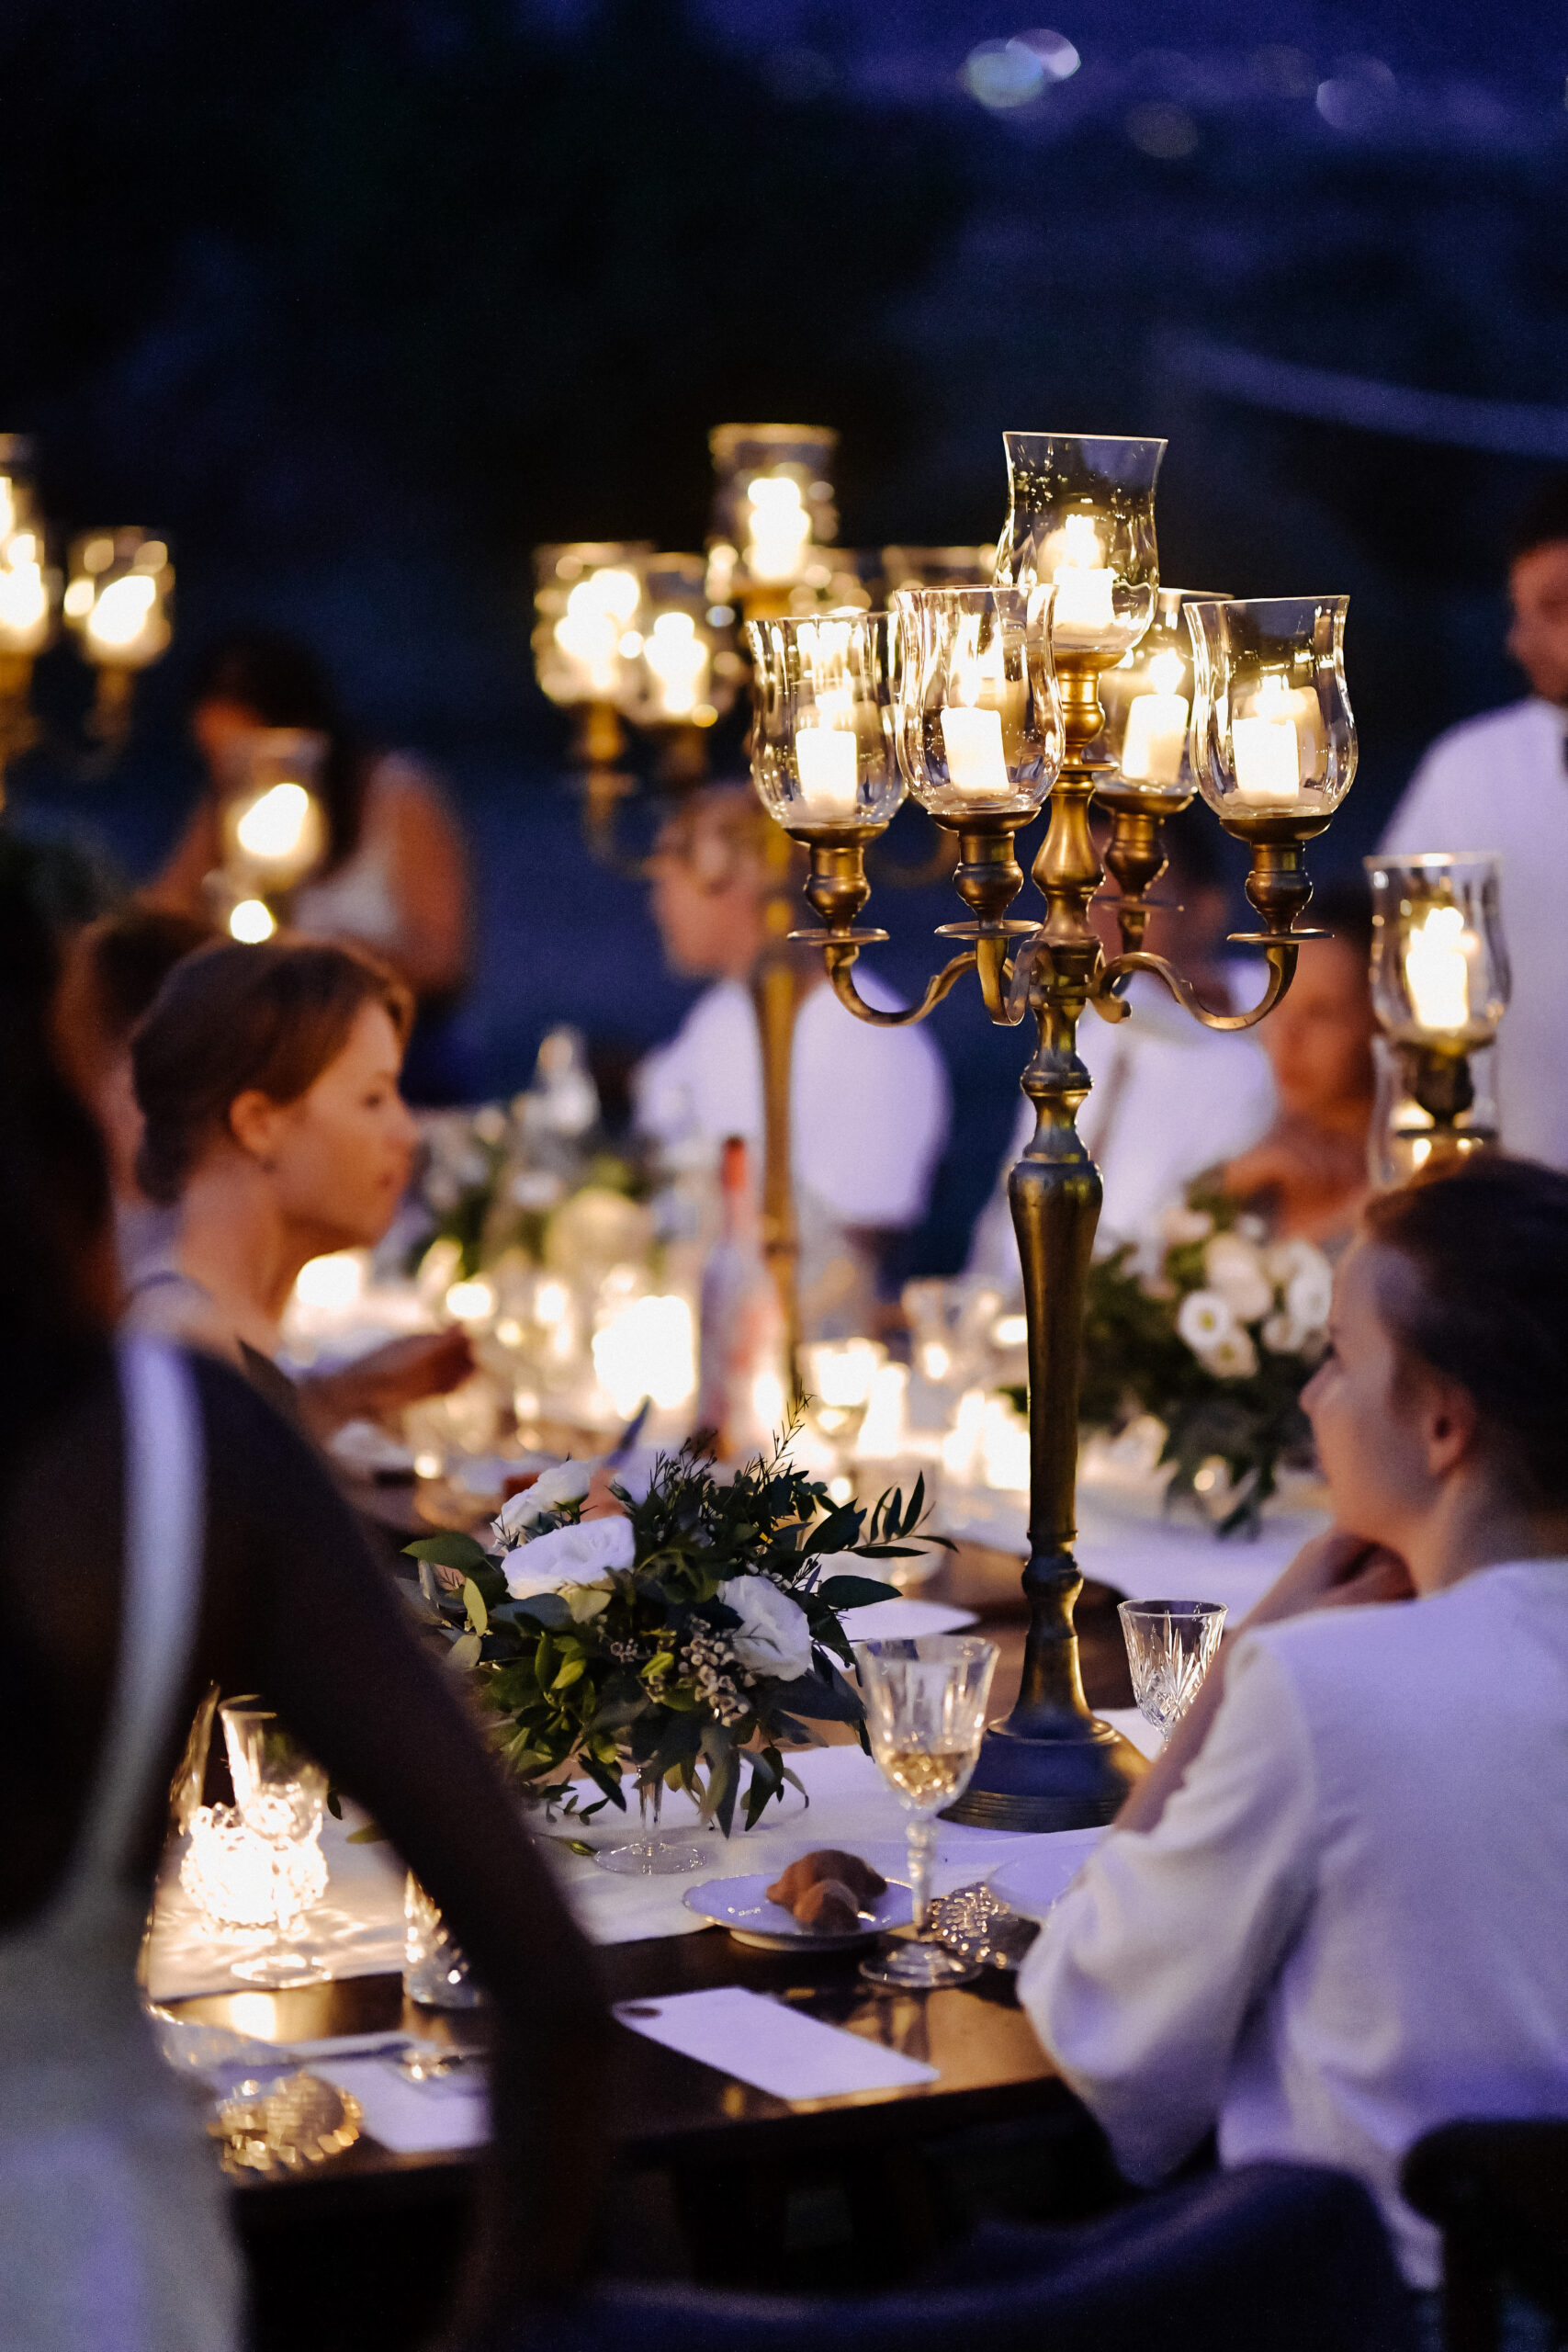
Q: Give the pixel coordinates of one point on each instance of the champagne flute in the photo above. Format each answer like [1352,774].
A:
[925,1708]
[280,1795]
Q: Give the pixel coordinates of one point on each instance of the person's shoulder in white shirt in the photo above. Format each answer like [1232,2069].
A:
[1486,783]
[1349,1926]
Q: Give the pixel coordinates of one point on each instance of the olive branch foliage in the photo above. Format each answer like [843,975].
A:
[595,1679]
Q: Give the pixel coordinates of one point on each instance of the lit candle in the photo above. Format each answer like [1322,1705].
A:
[1436,971]
[678,659]
[1084,614]
[826,761]
[1155,739]
[779,527]
[1265,750]
[972,738]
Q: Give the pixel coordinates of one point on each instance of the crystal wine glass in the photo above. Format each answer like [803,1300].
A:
[280,1794]
[649,1855]
[925,1706]
[1170,1647]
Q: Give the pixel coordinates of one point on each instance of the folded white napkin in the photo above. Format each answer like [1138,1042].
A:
[772,2047]
[449,2111]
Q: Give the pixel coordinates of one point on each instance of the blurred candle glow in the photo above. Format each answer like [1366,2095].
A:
[778,527]
[649,1350]
[24,594]
[273,827]
[1436,971]
[1083,616]
[251,921]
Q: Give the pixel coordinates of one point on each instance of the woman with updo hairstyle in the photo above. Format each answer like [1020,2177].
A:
[268,1082]
[1335,1914]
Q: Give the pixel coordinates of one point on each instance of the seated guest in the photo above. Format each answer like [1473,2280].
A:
[1500,782]
[1168,1095]
[268,1082]
[393,879]
[1308,1176]
[111,971]
[161,1531]
[868,1106]
[1333,1915]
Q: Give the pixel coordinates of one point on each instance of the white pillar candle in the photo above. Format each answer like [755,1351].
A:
[1155,739]
[827,762]
[1267,768]
[1436,971]
[973,741]
[1084,614]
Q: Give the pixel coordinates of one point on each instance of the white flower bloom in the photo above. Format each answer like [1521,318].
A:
[1282,1261]
[1310,1292]
[1281,1335]
[773,1636]
[1179,1225]
[570,1556]
[1204,1320]
[1232,1358]
[1234,1268]
[566,1483]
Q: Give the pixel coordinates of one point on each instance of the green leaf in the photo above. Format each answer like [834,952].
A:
[854,1592]
[449,1550]
[473,1602]
[464,1653]
[547,1609]
[573,1671]
[813,1696]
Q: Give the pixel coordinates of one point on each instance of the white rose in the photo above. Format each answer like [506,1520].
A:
[1204,1320]
[566,1483]
[1310,1294]
[773,1636]
[1234,1268]
[1232,1358]
[567,1556]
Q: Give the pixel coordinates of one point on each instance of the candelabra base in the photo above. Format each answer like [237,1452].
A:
[1028,1783]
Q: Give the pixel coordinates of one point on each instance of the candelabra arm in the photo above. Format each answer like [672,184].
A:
[840,961]
[1281,954]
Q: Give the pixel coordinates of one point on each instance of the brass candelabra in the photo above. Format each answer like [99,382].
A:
[989,699]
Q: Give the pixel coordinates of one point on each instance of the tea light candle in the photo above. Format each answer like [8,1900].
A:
[827,762]
[1436,971]
[1155,739]
[972,738]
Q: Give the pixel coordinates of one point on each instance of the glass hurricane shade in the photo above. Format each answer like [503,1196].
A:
[1272,734]
[678,666]
[1081,516]
[979,713]
[773,504]
[117,597]
[822,750]
[1439,964]
[272,821]
[587,596]
[1147,702]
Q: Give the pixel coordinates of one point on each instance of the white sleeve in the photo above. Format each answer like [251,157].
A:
[1143,1978]
[871,1112]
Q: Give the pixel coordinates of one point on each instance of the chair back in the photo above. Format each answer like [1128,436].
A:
[1498,2192]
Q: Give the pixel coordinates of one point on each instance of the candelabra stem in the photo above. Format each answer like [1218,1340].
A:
[774,994]
[1051,1765]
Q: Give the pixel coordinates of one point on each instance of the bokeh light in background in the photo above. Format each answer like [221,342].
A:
[363,306]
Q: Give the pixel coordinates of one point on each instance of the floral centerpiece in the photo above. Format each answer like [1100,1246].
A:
[1217,1340]
[694,1627]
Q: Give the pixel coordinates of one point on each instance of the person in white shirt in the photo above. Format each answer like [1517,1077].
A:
[1335,1914]
[1170,1099]
[1500,782]
[869,1107]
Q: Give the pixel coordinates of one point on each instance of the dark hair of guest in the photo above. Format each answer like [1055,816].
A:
[1489,1307]
[113,970]
[282,683]
[1543,520]
[233,1018]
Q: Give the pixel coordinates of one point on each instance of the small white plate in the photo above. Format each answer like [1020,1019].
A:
[903,1620]
[1032,1882]
[741,1905]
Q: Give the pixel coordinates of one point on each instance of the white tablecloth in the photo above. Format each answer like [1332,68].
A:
[358,1929]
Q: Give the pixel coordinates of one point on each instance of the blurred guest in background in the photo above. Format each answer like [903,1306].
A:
[267,1080]
[1308,1176]
[869,1107]
[111,971]
[1500,782]
[394,876]
[1168,1095]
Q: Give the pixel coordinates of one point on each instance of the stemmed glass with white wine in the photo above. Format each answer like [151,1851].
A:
[925,1712]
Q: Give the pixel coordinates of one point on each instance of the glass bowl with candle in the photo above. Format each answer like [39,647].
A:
[980,717]
[1081,518]
[1147,702]
[1274,742]
[822,754]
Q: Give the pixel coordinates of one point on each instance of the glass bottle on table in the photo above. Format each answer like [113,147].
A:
[742,1392]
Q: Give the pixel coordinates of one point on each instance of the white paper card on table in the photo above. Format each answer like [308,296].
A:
[774,2048]
[412,2119]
